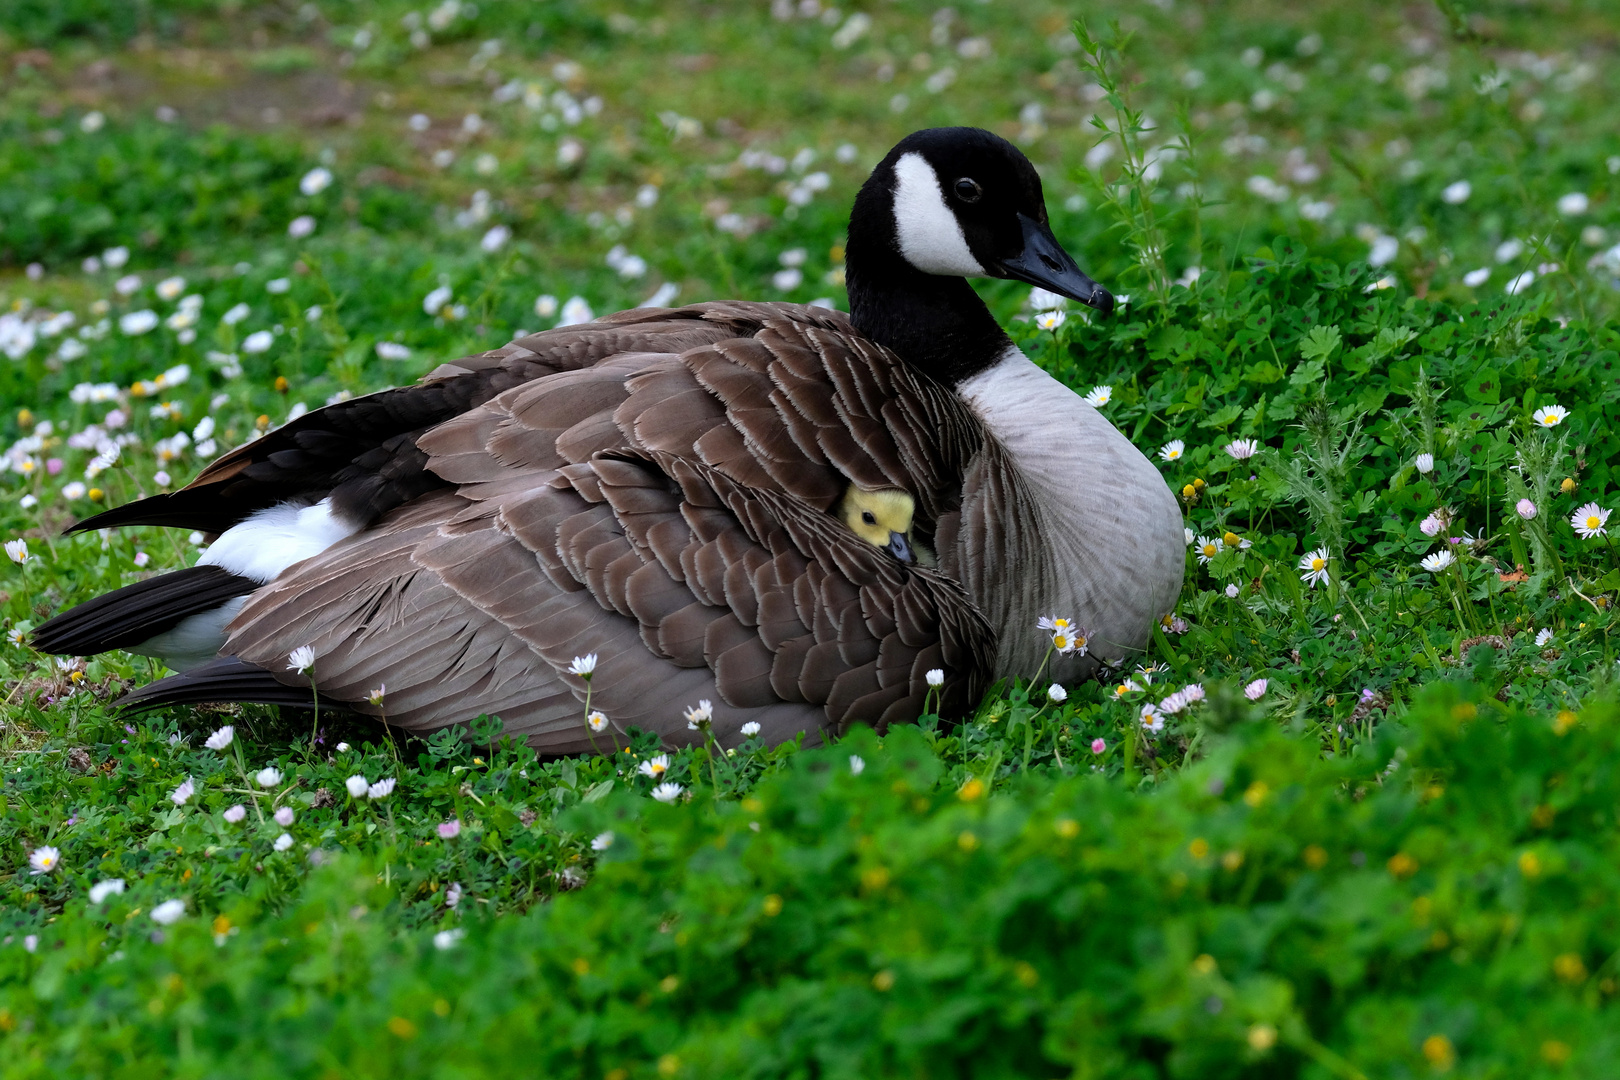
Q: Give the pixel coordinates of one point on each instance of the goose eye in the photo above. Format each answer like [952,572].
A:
[868,518]
[968,191]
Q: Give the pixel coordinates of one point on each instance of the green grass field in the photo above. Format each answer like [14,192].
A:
[1369,266]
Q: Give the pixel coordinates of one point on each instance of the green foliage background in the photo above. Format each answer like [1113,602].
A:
[1263,911]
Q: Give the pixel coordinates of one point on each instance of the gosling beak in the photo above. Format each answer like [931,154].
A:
[900,547]
[1043,262]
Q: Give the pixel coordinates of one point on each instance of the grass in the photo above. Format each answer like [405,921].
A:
[1391,858]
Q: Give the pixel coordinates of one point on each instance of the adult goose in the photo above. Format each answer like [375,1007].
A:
[661,488]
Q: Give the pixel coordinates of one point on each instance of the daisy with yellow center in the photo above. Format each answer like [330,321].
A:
[1314,567]
[1590,521]
[1172,450]
[1208,548]
[1438,561]
[43,860]
[1146,673]
[1152,719]
[1126,687]
[1550,415]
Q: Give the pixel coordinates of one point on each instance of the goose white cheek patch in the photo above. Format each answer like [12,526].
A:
[930,236]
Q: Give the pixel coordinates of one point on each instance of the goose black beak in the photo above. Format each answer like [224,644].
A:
[1043,262]
[900,547]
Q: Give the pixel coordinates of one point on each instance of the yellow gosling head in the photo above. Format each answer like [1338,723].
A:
[882,518]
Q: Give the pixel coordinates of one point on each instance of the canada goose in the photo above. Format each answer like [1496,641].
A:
[883,518]
[658,487]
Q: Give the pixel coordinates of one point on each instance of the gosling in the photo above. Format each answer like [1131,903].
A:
[883,519]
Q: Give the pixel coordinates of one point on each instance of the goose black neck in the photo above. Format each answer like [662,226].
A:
[937,324]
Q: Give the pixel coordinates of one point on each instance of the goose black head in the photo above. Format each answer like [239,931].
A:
[944,205]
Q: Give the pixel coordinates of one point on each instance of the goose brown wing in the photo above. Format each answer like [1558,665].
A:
[684,583]
[668,513]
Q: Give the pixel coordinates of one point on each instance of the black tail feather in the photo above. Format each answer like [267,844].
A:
[222,680]
[131,615]
[177,510]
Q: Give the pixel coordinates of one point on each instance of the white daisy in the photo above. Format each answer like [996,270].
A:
[1438,561]
[1314,566]
[583,666]
[103,889]
[700,716]
[1068,641]
[42,860]
[1550,415]
[654,767]
[666,793]
[315,181]
[169,912]
[1172,450]
[1544,638]
[1152,718]
[1589,521]
[1208,547]
[597,720]
[1242,449]
[1099,396]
